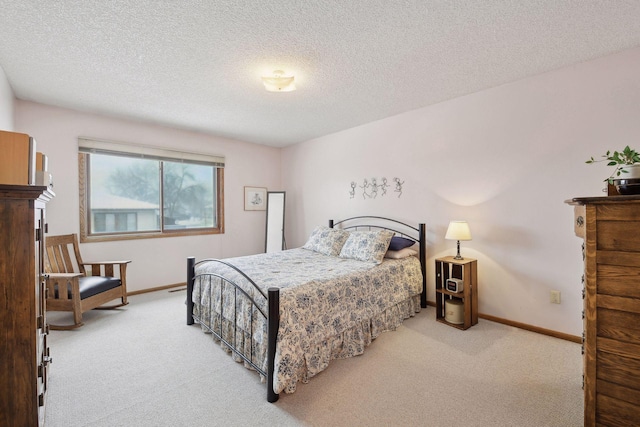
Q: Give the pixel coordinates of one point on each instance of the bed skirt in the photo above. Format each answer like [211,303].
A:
[317,355]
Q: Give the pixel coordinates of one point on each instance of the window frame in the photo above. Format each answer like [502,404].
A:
[85,224]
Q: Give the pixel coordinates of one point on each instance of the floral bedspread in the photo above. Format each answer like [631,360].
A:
[330,307]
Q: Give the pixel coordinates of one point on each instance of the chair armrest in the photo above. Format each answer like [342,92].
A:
[63,275]
[106,262]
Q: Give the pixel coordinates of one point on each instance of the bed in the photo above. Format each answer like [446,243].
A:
[288,314]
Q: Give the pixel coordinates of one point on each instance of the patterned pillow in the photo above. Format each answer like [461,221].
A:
[367,246]
[327,241]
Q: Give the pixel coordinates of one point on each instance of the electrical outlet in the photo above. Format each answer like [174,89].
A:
[555,297]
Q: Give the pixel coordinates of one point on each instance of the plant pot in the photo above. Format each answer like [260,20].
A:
[627,186]
[633,172]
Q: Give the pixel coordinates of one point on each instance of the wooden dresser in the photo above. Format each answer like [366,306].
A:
[610,227]
[24,355]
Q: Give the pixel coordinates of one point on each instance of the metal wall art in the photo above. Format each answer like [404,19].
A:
[374,188]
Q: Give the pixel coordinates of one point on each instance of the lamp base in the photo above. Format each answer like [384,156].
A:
[458,256]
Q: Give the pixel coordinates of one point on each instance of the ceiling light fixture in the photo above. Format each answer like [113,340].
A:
[279,82]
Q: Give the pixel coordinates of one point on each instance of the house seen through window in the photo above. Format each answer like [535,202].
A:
[129,194]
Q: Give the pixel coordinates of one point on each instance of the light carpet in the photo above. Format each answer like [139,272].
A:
[142,366]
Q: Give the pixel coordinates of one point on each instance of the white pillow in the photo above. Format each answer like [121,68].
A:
[402,253]
[327,241]
[367,246]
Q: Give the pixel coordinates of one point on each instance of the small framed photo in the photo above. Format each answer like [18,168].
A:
[255,198]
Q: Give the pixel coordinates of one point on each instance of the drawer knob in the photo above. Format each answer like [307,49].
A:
[580,221]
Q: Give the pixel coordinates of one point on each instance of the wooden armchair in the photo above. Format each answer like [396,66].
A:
[70,288]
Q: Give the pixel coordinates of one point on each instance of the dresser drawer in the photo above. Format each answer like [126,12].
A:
[618,236]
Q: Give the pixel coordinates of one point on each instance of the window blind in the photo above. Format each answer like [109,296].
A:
[90,145]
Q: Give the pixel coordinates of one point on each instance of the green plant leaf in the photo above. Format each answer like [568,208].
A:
[619,159]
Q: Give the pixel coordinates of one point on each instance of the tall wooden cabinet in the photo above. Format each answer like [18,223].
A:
[24,355]
[610,227]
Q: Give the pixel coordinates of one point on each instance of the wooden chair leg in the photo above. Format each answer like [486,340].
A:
[123,279]
[77,306]
[77,316]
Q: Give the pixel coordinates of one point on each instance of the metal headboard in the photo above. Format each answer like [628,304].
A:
[361,222]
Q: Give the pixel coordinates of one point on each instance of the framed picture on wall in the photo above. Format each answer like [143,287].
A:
[255,198]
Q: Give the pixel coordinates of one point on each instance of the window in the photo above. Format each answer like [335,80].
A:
[133,191]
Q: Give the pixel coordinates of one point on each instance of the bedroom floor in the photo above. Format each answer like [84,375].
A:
[142,366]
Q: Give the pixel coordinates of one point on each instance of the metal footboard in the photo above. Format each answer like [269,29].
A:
[271,315]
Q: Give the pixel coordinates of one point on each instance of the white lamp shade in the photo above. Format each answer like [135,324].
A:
[458,230]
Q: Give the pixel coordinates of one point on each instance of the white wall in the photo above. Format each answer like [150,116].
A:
[6,103]
[505,159]
[160,261]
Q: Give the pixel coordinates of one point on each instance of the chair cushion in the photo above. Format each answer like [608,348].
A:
[93,285]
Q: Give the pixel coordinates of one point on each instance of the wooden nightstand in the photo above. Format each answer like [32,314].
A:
[465,270]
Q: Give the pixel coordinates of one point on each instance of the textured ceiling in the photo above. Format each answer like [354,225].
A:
[196,64]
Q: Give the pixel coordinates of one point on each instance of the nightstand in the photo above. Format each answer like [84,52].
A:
[457,309]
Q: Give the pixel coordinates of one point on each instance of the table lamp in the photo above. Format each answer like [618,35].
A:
[458,230]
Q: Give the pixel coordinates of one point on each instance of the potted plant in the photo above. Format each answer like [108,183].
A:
[627,163]
[626,175]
